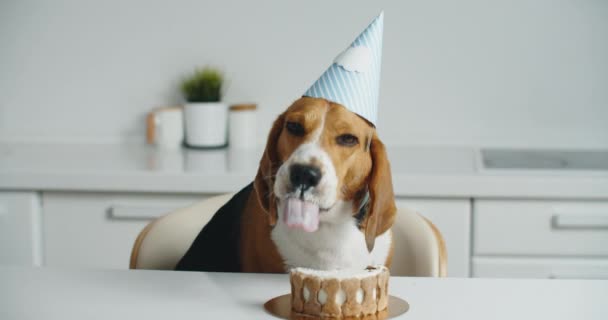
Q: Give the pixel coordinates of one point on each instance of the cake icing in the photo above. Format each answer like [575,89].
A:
[339,293]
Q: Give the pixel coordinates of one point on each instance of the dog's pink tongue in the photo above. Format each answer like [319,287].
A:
[301,214]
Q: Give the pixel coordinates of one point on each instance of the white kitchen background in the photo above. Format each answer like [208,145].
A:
[467,72]
[78,77]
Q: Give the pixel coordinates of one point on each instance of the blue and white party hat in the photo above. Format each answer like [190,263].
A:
[353,79]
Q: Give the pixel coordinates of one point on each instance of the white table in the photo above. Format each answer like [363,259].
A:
[30,293]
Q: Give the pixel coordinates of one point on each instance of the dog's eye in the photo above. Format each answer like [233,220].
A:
[347,140]
[295,128]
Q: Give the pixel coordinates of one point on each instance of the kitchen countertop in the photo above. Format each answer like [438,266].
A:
[45,293]
[418,171]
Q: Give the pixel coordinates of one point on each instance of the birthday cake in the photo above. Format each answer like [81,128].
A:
[339,293]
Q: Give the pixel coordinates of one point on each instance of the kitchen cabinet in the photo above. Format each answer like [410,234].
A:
[547,268]
[540,238]
[20,223]
[541,227]
[509,237]
[453,218]
[97,230]
[84,204]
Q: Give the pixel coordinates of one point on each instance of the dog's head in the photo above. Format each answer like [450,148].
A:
[319,157]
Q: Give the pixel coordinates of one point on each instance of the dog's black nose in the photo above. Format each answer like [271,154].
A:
[304,175]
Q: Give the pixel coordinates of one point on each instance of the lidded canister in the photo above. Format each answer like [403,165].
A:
[242,122]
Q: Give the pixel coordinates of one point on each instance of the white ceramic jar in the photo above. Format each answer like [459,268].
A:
[206,124]
[165,127]
[242,133]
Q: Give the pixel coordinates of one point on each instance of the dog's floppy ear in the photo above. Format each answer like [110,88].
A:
[382,208]
[270,163]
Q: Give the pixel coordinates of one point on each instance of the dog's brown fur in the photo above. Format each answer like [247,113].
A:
[360,168]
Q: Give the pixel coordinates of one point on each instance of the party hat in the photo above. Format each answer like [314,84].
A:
[353,79]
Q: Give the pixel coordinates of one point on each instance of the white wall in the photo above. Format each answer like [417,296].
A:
[466,72]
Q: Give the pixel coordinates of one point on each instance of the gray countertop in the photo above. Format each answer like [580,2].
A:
[421,171]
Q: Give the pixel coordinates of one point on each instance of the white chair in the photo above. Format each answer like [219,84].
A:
[419,246]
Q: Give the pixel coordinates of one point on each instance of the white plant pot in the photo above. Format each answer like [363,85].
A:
[206,124]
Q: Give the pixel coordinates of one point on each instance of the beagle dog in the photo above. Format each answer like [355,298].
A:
[322,198]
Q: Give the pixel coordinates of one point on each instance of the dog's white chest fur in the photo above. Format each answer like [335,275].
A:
[335,245]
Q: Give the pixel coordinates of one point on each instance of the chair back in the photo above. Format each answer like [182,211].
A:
[419,249]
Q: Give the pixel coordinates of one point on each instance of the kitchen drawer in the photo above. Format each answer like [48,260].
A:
[98,229]
[559,268]
[20,242]
[547,228]
[453,219]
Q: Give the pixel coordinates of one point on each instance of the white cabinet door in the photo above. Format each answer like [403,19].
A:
[20,228]
[98,229]
[541,228]
[547,268]
[453,218]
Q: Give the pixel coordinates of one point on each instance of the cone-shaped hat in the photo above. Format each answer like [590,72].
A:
[353,79]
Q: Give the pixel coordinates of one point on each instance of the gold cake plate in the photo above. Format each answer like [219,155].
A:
[281,307]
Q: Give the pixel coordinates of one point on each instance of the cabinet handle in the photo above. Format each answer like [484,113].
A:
[127,212]
[573,275]
[580,221]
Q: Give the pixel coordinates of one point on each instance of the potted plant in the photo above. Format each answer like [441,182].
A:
[205,115]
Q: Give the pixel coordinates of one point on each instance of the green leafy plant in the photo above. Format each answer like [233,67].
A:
[203,85]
